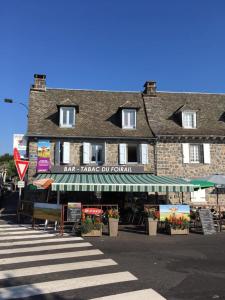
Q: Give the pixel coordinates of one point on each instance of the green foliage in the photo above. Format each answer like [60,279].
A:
[7,162]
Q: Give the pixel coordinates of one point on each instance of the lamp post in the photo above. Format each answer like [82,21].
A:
[11,101]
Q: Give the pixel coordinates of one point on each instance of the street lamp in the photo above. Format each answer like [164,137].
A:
[8,100]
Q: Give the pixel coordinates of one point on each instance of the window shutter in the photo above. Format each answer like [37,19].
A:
[86,153]
[61,117]
[144,154]
[206,153]
[123,154]
[186,153]
[195,120]
[104,153]
[66,153]
[57,153]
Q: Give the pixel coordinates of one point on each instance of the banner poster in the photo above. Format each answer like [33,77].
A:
[43,161]
[174,211]
[20,143]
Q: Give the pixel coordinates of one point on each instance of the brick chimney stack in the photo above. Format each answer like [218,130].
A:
[150,88]
[39,82]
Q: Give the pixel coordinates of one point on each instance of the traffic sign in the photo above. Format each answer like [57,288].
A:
[21,184]
[21,166]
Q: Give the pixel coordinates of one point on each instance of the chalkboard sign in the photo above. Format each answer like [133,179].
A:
[74,212]
[207,221]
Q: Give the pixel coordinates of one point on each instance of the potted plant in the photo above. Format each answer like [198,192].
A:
[152,217]
[177,225]
[91,226]
[113,221]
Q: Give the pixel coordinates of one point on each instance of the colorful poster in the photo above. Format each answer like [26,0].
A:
[174,211]
[43,161]
[20,143]
[51,212]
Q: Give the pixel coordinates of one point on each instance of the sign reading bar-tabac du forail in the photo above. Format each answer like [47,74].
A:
[97,169]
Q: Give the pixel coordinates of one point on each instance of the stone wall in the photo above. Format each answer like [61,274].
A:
[170,161]
[76,155]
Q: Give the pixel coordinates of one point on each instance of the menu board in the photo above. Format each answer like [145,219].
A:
[74,212]
[207,221]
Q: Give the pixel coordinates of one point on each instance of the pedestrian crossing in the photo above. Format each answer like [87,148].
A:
[38,263]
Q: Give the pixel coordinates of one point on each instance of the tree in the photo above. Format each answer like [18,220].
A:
[7,163]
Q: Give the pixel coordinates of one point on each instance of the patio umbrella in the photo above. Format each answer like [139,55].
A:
[43,183]
[218,180]
[202,184]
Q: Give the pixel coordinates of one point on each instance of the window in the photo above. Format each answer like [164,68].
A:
[196,153]
[133,153]
[62,153]
[129,118]
[67,117]
[96,153]
[189,119]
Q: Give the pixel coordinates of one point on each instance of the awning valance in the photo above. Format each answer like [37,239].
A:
[117,183]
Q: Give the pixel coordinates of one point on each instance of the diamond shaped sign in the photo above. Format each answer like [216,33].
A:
[21,166]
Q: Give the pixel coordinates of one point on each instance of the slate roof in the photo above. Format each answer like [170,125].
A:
[163,113]
[98,114]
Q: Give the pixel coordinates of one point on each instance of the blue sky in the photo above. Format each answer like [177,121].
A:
[107,45]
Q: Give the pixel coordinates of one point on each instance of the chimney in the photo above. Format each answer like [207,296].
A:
[39,82]
[150,88]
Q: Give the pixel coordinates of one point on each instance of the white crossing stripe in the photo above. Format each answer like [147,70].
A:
[9,225]
[56,268]
[28,290]
[148,294]
[12,228]
[28,232]
[44,248]
[41,257]
[41,241]
[29,236]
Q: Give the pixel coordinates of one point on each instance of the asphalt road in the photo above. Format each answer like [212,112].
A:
[178,267]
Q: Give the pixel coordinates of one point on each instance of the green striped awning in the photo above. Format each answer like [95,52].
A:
[117,183]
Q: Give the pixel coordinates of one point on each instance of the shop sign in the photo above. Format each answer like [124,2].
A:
[92,211]
[20,143]
[74,212]
[97,169]
[43,160]
[174,211]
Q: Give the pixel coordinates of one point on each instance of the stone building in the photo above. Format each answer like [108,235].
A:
[190,133]
[93,142]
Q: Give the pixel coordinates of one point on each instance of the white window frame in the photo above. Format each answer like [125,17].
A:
[200,153]
[67,124]
[129,111]
[188,125]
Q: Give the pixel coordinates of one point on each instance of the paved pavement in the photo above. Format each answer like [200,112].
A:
[40,265]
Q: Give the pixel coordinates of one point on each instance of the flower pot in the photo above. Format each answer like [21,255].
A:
[151,226]
[113,226]
[178,231]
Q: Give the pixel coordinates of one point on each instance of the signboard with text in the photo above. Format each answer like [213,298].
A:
[20,143]
[97,169]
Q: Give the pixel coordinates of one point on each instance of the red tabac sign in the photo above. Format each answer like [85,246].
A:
[21,166]
[92,211]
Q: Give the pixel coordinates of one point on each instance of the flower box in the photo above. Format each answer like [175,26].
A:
[178,231]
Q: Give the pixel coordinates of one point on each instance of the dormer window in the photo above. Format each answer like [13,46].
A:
[189,119]
[129,118]
[67,116]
